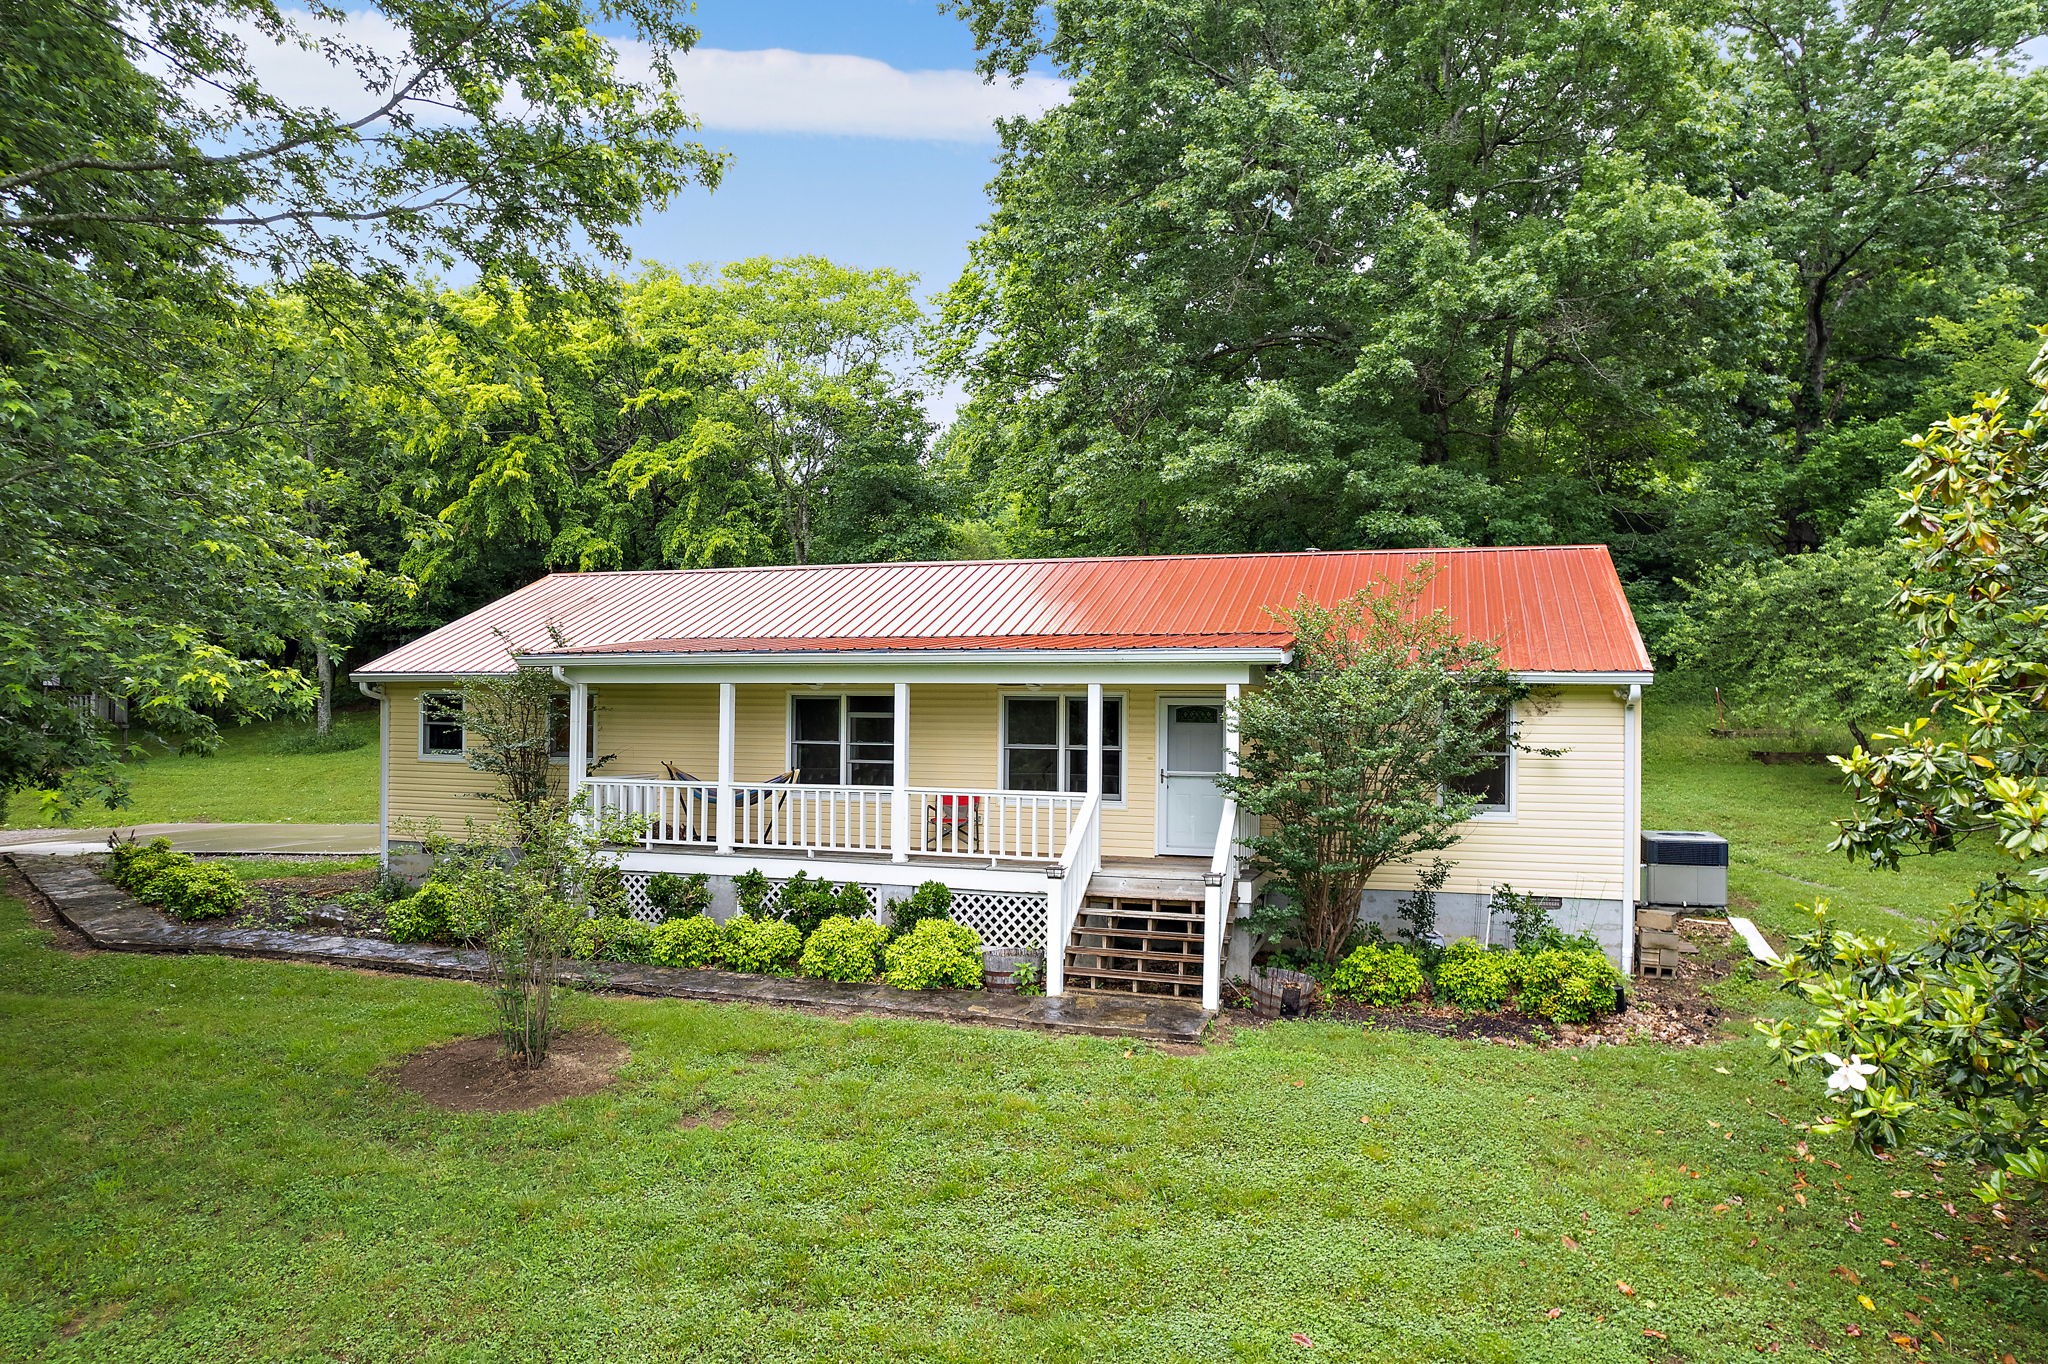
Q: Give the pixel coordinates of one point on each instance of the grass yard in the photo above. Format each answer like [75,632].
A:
[252,778]
[1776,820]
[199,1160]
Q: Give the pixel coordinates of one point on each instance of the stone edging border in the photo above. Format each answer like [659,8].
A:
[114,921]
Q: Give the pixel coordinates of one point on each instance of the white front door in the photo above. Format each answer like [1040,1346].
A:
[1190,757]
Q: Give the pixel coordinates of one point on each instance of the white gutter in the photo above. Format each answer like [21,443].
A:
[376,693]
[910,657]
[1631,819]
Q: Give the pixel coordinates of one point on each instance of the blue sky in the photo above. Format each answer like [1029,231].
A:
[904,201]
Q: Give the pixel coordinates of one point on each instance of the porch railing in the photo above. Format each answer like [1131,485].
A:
[1069,890]
[1218,894]
[950,822]
[676,812]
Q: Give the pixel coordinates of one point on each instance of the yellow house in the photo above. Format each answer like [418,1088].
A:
[1044,736]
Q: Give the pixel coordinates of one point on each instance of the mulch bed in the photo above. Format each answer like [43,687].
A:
[1675,1010]
[310,904]
[475,1076]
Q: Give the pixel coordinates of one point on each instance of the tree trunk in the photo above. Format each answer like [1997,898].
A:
[1856,732]
[323,665]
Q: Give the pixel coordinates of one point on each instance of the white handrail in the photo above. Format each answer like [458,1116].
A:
[812,818]
[1014,826]
[1069,891]
[675,811]
[1218,888]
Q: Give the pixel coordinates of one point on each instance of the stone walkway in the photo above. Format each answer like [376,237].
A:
[297,840]
[115,921]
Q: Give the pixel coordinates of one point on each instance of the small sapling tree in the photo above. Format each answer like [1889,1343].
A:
[1353,757]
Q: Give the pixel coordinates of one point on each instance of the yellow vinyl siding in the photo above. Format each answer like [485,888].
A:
[1563,838]
[643,727]
[422,789]
[1565,835]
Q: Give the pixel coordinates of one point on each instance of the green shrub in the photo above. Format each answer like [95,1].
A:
[1566,984]
[844,948]
[612,937]
[750,943]
[931,900]
[690,942]
[751,887]
[937,954]
[679,897]
[1376,973]
[854,902]
[427,915]
[1471,977]
[175,882]
[196,890]
[604,891]
[806,903]
[131,864]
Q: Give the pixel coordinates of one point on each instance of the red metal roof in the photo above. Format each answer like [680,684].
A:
[1549,608]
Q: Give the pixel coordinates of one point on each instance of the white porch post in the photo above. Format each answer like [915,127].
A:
[727,696]
[1221,897]
[1094,738]
[899,768]
[579,738]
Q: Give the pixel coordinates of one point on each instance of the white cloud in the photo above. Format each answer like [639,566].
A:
[769,91]
[778,91]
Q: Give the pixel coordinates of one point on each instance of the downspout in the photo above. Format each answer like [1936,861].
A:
[1631,819]
[376,693]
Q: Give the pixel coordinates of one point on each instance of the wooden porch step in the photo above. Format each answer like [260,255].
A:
[1134,954]
[1136,983]
[1135,883]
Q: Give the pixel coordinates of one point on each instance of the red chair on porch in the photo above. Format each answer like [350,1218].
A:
[953,824]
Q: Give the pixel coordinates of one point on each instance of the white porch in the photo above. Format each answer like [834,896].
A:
[1023,864]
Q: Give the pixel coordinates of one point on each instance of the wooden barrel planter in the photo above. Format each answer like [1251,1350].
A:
[999,967]
[1282,994]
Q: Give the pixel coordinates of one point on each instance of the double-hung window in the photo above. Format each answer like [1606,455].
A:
[1492,782]
[843,740]
[1045,744]
[441,724]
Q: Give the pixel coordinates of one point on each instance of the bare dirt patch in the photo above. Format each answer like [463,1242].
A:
[474,1076]
[718,1119]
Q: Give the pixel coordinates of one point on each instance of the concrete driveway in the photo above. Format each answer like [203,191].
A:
[302,840]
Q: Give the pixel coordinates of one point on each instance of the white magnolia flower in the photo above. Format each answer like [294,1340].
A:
[1853,1073]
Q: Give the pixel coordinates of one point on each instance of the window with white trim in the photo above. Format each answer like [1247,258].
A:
[843,740]
[441,724]
[1045,744]
[1491,782]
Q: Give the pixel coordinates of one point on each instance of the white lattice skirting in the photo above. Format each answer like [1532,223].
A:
[1007,919]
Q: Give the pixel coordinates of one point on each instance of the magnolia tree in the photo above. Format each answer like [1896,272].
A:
[1950,1039]
[1353,756]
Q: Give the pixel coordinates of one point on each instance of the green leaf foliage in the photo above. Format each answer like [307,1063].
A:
[1352,755]
[937,954]
[1473,978]
[768,946]
[1377,973]
[1810,641]
[693,941]
[1944,1040]
[843,948]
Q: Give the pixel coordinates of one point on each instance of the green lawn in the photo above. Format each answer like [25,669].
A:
[252,778]
[199,1161]
[1776,820]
